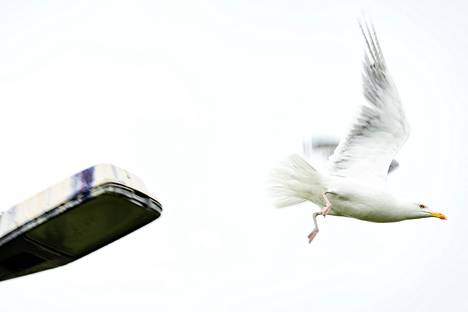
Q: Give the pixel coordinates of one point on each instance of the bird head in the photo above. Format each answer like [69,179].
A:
[422,211]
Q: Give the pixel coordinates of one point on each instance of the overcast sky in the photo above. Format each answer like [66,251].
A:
[201,99]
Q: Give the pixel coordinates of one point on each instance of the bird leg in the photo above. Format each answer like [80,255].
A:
[328,205]
[316,229]
[324,212]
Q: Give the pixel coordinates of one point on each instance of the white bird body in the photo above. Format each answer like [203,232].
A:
[351,198]
[355,184]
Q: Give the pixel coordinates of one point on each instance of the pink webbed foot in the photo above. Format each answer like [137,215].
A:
[314,232]
[312,235]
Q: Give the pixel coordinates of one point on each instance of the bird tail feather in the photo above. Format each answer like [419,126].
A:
[295,182]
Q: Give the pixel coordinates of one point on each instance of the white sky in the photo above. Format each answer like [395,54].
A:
[201,99]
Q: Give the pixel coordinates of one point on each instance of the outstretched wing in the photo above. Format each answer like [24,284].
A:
[324,148]
[381,128]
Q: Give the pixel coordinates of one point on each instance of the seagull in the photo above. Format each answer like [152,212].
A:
[354,184]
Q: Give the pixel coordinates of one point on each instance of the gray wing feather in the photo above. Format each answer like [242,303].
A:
[325,147]
[381,128]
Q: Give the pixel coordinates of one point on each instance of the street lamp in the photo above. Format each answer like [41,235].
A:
[72,219]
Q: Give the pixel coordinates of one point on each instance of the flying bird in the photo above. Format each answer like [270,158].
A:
[354,184]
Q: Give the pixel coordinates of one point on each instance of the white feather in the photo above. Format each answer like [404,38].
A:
[381,128]
[295,182]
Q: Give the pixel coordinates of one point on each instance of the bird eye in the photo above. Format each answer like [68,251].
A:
[422,206]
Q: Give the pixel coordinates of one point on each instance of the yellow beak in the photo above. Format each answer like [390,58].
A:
[439,215]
